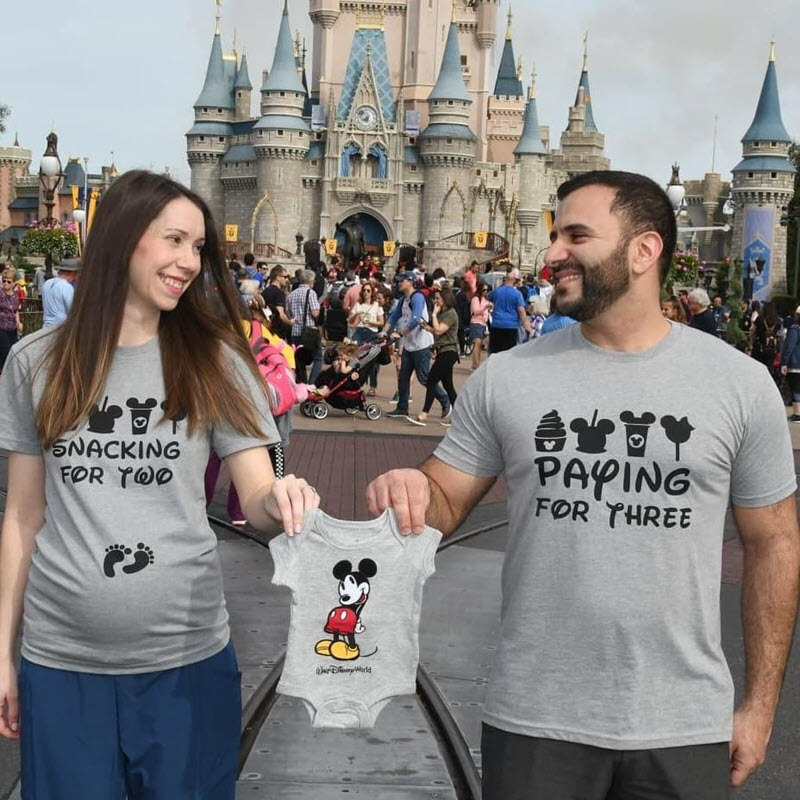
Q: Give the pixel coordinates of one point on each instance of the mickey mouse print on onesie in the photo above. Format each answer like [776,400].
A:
[344,621]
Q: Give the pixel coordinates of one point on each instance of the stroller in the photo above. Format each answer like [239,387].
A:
[351,401]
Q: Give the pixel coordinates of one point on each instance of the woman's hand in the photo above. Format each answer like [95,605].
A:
[9,701]
[289,500]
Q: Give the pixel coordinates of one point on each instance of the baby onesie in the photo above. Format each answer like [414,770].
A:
[356,598]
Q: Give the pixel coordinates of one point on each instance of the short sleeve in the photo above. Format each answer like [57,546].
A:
[471,443]
[225,439]
[18,432]
[284,556]
[520,299]
[763,470]
[431,541]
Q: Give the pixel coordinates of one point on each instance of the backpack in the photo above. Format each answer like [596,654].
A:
[428,298]
[771,339]
[274,369]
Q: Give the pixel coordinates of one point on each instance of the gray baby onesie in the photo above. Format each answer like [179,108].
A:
[356,598]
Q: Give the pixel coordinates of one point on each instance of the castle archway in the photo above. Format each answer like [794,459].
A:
[375,226]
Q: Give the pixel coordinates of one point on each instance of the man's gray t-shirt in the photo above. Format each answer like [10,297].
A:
[619,468]
[125,577]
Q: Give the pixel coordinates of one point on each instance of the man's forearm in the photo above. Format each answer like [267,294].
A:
[769,610]
[443,515]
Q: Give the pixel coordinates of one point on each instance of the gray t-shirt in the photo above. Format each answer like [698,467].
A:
[619,467]
[358,585]
[125,576]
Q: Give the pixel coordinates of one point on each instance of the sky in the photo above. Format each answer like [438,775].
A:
[123,76]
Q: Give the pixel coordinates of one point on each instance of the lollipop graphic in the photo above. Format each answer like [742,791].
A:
[678,431]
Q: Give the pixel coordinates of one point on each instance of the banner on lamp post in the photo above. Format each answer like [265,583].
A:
[231,234]
[331,246]
[481,239]
[388,249]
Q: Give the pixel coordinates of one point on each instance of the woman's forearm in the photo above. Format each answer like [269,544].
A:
[16,549]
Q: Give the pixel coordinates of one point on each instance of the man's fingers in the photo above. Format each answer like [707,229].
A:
[398,495]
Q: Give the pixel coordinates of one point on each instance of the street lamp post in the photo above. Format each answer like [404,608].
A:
[50,176]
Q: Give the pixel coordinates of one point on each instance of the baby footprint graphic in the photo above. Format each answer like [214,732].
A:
[141,558]
[114,554]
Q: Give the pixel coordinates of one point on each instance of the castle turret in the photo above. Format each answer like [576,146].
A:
[486,35]
[447,147]
[209,138]
[14,164]
[534,190]
[763,184]
[324,14]
[582,145]
[506,106]
[282,140]
[243,90]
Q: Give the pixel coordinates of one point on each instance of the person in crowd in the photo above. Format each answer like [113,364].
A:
[539,307]
[58,292]
[702,315]
[335,324]
[126,638]
[250,271]
[609,605]
[303,307]
[790,363]
[248,288]
[555,320]
[21,288]
[352,290]
[235,267]
[367,319]
[479,310]
[508,313]
[340,369]
[444,327]
[683,298]
[747,322]
[10,322]
[722,315]
[263,272]
[416,342]
[275,300]
[470,279]
[672,309]
[766,336]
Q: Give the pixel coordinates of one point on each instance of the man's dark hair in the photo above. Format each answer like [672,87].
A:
[642,202]
[249,259]
[275,272]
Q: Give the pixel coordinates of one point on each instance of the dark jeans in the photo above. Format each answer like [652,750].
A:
[519,767]
[7,340]
[502,339]
[302,363]
[418,361]
[441,372]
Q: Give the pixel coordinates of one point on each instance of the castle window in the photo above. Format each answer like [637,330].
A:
[756,145]
[751,174]
[495,173]
[260,134]
[314,163]
[412,59]
[413,169]
[202,138]
[412,140]
[222,138]
[773,144]
[280,133]
[27,217]
[205,111]
[319,137]
[463,61]
[773,175]
[450,103]
[219,111]
[281,94]
[480,172]
[239,94]
[449,141]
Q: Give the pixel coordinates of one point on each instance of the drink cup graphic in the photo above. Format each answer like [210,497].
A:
[636,430]
[140,414]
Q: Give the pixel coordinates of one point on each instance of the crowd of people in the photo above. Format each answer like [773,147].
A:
[609,678]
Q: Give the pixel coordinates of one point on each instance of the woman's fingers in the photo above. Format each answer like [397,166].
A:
[9,715]
[293,497]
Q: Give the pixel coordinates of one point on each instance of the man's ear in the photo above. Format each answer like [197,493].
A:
[645,252]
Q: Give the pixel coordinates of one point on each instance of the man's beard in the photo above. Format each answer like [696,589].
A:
[603,285]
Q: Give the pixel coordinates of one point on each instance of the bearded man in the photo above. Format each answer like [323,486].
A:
[609,680]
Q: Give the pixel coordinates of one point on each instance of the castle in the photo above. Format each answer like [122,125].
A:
[404,122]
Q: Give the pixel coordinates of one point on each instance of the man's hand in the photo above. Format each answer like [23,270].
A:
[9,702]
[751,731]
[406,491]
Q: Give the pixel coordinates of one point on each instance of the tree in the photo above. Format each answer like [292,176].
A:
[4,112]
[793,219]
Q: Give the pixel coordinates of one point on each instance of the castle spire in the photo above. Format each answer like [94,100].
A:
[583,83]
[243,75]
[216,88]
[283,76]
[16,139]
[530,143]
[510,19]
[218,28]
[767,125]
[450,85]
[508,82]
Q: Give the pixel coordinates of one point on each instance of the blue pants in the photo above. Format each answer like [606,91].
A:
[418,361]
[168,735]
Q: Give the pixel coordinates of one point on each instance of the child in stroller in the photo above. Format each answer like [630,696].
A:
[340,386]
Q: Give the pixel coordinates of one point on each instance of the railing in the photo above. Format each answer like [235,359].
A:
[31,315]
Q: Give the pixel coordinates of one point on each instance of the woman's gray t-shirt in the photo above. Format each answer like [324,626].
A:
[620,468]
[125,577]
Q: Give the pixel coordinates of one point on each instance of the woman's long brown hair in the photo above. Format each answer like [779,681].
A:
[198,381]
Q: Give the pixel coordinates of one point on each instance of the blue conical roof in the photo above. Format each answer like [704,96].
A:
[283,77]
[215,90]
[508,83]
[243,76]
[767,125]
[450,85]
[587,96]
[530,143]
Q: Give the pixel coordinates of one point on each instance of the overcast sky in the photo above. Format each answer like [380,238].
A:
[123,76]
